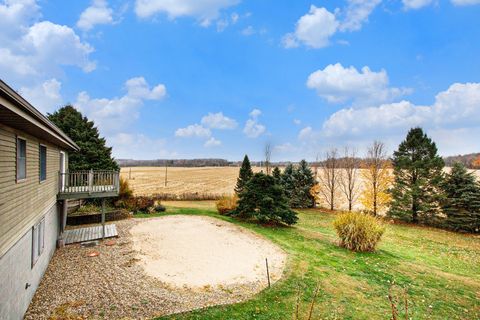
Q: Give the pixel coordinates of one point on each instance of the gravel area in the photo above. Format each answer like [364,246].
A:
[115,285]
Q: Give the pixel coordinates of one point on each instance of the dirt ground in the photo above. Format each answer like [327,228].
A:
[121,282]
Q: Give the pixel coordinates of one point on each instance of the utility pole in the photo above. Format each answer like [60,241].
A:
[166,172]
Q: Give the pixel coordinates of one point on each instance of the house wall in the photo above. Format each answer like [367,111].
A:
[16,268]
[22,203]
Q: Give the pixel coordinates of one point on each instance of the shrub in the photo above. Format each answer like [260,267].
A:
[160,208]
[358,231]
[227,204]
[125,191]
[136,204]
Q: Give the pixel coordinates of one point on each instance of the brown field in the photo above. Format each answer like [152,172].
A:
[206,180]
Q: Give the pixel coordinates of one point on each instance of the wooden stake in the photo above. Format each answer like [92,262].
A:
[268,273]
[103,218]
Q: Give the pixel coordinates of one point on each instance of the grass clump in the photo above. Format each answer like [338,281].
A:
[358,232]
[227,204]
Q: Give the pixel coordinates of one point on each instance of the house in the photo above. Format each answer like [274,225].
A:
[35,185]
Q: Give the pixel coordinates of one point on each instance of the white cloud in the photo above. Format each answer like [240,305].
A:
[248,31]
[113,115]
[305,133]
[204,10]
[297,122]
[254,129]
[465,2]
[416,4]
[218,121]
[357,13]
[222,24]
[98,13]
[212,142]
[313,29]
[139,88]
[338,84]
[194,130]
[285,148]
[46,96]
[138,146]
[455,108]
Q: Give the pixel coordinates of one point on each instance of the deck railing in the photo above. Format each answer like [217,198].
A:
[89,182]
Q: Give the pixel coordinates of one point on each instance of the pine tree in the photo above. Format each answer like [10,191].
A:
[288,180]
[462,203]
[418,176]
[264,200]
[244,176]
[93,154]
[303,182]
[277,175]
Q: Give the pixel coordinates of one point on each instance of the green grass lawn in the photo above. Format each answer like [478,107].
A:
[440,269]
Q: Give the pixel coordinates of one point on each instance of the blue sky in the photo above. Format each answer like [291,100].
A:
[221,78]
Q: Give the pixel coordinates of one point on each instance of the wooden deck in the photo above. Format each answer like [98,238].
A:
[89,233]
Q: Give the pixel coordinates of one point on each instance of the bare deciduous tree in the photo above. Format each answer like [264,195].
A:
[328,178]
[377,177]
[268,154]
[348,180]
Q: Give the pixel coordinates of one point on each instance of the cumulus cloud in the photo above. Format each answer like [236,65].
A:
[34,50]
[204,10]
[285,148]
[338,84]
[46,96]
[193,130]
[218,121]
[305,133]
[97,13]
[456,108]
[112,115]
[212,142]
[416,4]
[314,29]
[138,146]
[254,129]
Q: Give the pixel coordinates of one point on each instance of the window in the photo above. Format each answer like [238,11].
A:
[43,163]
[38,240]
[21,159]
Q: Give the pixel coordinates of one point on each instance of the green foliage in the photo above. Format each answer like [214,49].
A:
[244,176]
[416,194]
[303,183]
[264,200]
[358,232]
[227,204]
[288,180]
[94,153]
[462,203]
[277,174]
[160,208]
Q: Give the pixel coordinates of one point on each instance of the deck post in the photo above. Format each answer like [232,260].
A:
[64,215]
[90,181]
[103,218]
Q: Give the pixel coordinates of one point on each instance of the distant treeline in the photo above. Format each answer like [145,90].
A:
[471,160]
[189,163]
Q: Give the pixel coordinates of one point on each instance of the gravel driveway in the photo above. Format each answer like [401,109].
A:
[115,285]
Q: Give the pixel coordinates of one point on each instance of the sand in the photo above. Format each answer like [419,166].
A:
[194,251]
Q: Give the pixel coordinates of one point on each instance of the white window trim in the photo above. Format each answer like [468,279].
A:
[38,240]
[40,162]
[16,158]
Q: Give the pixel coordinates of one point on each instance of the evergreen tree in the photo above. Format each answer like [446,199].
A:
[93,154]
[303,182]
[288,181]
[462,203]
[418,177]
[277,175]
[244,176]
[264,200]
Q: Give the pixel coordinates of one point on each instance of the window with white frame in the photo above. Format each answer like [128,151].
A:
[43,163]
[21,159]
[38,240]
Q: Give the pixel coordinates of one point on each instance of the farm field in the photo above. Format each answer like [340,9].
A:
[203,180]
[438,269]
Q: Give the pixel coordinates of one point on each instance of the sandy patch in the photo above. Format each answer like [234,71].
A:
[196,251]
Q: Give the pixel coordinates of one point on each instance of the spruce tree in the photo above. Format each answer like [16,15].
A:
[462,203]
[277,175]
[288,181]
[93,154]
[244,176]
[264,200]
[418,176]
[303,181]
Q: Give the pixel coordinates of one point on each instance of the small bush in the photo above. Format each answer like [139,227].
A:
[227,204]
[125,191]
[358,232]
[136,204]
[160,208]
